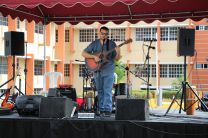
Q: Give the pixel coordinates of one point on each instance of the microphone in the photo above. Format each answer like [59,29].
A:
[150,46]
[147,39]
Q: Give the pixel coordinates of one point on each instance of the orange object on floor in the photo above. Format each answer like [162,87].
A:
[5,103]
[190,99]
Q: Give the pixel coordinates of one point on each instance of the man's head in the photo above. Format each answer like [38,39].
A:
[104,33]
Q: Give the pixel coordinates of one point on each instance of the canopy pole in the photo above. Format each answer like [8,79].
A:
[44,39]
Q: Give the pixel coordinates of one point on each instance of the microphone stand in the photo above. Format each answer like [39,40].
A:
[84,84]
[148,66]
[128,81]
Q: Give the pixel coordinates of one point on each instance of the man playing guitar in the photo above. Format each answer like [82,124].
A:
[103,74]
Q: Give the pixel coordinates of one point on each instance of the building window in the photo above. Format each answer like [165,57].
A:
[3,20]
[142,71]
[175,70]
[3,65]
[82,67]
[173,33]
[169,33]
[18,23]
[37,91]
[164,71]
[202,27]
[143,34]
[56,35]
[153,70]
[201,66]
[66,35]
[39,28]
[39,67]
[66,70]
[171,70]
[164,34]
[87,35]
[117,34]
[205,66]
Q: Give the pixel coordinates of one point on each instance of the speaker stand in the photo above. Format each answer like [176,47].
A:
[185,84]
[25,70]
[11,79]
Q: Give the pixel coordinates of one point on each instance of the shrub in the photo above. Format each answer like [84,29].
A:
[167,94]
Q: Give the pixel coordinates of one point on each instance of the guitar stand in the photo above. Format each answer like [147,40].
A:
[10,88]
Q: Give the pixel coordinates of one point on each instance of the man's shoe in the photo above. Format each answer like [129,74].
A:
[97,113]
[107,113]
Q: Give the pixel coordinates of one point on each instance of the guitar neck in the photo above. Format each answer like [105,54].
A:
[111,50]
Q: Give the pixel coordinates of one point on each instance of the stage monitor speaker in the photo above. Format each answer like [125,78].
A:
[68,92]
[132,109]
[186,42]
[28,105]
[14,43]
[56,107]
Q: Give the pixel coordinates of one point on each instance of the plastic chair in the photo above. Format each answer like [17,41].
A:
[53,79]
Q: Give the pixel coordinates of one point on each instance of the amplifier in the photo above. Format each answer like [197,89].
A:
[68,92]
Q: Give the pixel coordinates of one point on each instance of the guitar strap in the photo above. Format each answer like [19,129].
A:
[107,44]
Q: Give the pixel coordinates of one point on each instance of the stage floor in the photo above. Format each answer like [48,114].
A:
[157,126]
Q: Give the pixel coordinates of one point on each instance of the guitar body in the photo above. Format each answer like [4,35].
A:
[5,103]
[92,65]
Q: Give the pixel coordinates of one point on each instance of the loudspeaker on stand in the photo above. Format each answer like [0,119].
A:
[14,43]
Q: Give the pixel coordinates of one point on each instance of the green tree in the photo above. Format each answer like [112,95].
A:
[176,84]
[120,70]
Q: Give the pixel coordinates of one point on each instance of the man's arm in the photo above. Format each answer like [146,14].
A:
[88,55]
[118,54]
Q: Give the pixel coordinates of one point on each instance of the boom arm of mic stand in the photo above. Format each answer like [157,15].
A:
[133,73]
[138,76]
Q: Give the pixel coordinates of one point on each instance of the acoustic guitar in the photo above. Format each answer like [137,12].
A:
[92,65]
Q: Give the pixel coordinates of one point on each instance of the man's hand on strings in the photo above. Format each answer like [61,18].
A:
[118,55]
[97,59]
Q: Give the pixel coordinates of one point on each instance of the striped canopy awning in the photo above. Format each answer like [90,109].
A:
[103,11]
